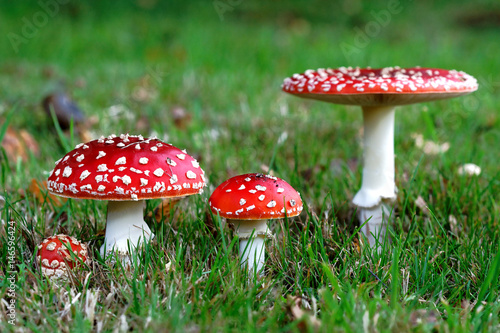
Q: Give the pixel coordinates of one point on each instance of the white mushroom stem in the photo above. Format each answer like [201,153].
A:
[378,172]
[252,234]
[125,224]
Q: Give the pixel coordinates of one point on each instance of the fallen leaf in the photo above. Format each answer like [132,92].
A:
[181,117]
[29,142]
[85,135]
[39,190]
[13,146]
[305,318]
[163,210]
[17,144]
[266,170]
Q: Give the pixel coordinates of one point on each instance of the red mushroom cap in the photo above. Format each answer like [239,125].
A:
[126,168]
[382,86]
[54,257]
[255,196]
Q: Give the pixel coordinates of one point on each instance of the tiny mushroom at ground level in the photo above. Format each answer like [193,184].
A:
[248,201]
[126,170]
[378,92]
[55,259]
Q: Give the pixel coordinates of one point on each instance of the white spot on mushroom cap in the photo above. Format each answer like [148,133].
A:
[51,246]
[121,160]
[154,148]
[135,170]
[242,202]
[101,154]
[271,204]
[144,182]
[195,164]
[158,172]
[242,187]
[67,171]
[181,156]
[260,188]
[173,179]
[171,162]
[84,174]
[86,187]
[80,158]
[102,167]
[190,174]
[143,160]
[262,197]
[280,190]
[101,188]
[126,180]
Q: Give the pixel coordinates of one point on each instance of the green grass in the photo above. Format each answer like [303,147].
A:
[435,275]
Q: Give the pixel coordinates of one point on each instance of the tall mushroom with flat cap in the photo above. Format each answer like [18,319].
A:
[378,92]
[126,170]
[248,201]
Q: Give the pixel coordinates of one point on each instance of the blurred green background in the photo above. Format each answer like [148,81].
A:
[130,65]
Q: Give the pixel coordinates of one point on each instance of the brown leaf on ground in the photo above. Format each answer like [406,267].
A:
[85,135]
[306,318]
[29,142]
[18,144]
[39,190]
[165,208]
[181,117]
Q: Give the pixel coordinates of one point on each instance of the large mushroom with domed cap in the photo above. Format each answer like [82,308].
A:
[378,92]
[247,201]
[126,170]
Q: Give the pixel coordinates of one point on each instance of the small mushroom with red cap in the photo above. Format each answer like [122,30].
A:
[126,170]
[59,254]
[378,92]
[248,201]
